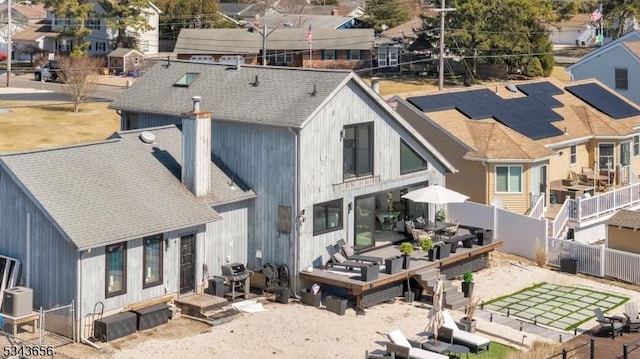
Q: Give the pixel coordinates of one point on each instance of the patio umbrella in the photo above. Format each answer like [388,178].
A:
[435,314]
[435,194]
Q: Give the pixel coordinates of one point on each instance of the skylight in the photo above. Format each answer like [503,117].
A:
[187,79]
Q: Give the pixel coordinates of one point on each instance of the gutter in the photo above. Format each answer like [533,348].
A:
[299,218]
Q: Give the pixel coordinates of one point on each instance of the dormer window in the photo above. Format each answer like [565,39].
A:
[187,79]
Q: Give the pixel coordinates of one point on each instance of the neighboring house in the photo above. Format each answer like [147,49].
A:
[622,231]
[346,49]
[392,44]
[122,61]
[237,12]
[326,156]
[518,146]
[127,220]
[615,64]
[22,16]
[46,33]
[578,30]
[302,21]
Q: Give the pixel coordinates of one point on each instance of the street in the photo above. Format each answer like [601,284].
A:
[104,92]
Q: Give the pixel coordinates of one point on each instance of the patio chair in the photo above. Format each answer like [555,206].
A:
[449,331]
[349,253]
[339,260]
[609,324]
[453,229]
[401,347]
[633,319]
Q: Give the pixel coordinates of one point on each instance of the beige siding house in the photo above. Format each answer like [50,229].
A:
[622,231]
[513,144]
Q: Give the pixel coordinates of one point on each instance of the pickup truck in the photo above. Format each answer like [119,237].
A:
[51,71]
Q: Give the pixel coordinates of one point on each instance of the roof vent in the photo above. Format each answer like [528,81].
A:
[315,90]
[147,137]
[512,88]
[256,82]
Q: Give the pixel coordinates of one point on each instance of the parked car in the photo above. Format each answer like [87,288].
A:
[51,71]
[3,56]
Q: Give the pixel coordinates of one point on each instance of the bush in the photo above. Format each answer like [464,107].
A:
[541,253]
[406,248]
[426,243]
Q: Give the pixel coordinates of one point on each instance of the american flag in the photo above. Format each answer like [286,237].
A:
[596,15]
[309,34]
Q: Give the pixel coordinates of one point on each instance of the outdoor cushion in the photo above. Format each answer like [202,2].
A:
[398,338]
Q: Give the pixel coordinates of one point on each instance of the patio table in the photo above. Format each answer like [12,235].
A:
[457,350]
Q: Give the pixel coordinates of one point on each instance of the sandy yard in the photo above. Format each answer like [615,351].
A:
[296,331]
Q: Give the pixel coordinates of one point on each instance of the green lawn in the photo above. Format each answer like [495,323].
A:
[496,351]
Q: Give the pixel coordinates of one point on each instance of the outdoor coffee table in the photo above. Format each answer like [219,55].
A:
[455,349]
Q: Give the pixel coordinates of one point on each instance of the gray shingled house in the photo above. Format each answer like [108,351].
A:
[122,221]
[327,157]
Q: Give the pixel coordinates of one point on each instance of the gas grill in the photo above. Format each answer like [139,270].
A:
[238,277]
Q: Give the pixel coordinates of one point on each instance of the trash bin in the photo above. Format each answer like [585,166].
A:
[216,286]
[282,295]
[485,236]
[569,265]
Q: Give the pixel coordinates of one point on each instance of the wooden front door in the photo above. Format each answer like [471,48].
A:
[187,263]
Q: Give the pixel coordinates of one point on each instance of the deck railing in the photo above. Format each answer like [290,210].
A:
[537,207]
[561,219]
[604,203]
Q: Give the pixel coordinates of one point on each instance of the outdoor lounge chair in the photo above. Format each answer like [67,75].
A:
[402,348]
[450,332]
[633,320]
[609,324]
[348,251]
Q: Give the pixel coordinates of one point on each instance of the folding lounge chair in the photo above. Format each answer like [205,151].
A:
[402,348]
[609,324]
[449,331]
[633,319]
[348,252]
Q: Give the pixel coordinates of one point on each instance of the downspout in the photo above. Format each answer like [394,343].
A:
[27,267]
[296,211]
[79,301]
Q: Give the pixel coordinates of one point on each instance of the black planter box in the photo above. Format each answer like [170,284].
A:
[152,316]
[569,265]
[443,251]
[406,259]
[370,273]
[393,265]
[310,299]
[115,326]
[485,237]
[335,304]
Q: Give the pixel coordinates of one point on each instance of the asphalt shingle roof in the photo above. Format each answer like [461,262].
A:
[283,96]
[243,41]
[625,218]
[118,189]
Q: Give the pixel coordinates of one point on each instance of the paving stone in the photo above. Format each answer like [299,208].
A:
[572,296]
[578,317]
[582,292]
[565,289]
[570,307]
[549,286]
[537,300]
[517,307]
[551,315]
[545,307]
[522,296]
[599,296]
[547,296]
[590,300]
[564,300]
[559,311]
[544,320]
[510,300]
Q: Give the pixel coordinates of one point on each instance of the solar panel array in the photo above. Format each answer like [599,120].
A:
[531,115]
[603,100]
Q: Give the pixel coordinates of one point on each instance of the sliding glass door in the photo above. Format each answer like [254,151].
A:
[364,222]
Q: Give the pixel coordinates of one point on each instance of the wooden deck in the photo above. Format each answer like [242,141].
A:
[350,280]
[605,347]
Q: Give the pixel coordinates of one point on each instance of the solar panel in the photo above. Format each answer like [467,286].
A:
[540,88]
[474,111]
[537,131]
[603,100]
[547,101]
[430,103]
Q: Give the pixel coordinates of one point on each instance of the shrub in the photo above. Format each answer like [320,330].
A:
[406,248]
[540,253]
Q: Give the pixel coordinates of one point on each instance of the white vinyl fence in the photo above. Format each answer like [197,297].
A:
[519,235]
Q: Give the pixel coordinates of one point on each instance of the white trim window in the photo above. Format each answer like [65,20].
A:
[508,179]
[573,156]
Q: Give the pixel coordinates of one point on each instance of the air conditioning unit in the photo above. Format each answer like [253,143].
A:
[17,301]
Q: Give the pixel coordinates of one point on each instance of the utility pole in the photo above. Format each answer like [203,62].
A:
[9,44]
[442,12]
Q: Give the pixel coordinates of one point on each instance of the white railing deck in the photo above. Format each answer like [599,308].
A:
[604,203]
[561,219]
[537,209]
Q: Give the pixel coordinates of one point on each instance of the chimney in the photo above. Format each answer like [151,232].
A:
[196,149]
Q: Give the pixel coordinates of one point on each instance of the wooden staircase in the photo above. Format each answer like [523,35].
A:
[452,298]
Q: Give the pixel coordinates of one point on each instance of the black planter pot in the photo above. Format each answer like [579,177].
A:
[431,254]
[393,265]
[443,251]
[406,259]
[467,289]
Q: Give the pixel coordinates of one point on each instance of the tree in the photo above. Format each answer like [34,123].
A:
[390,13]
[509,32]
[191,14]
[80,75]
[73,15]
[128,18]
[618,15]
